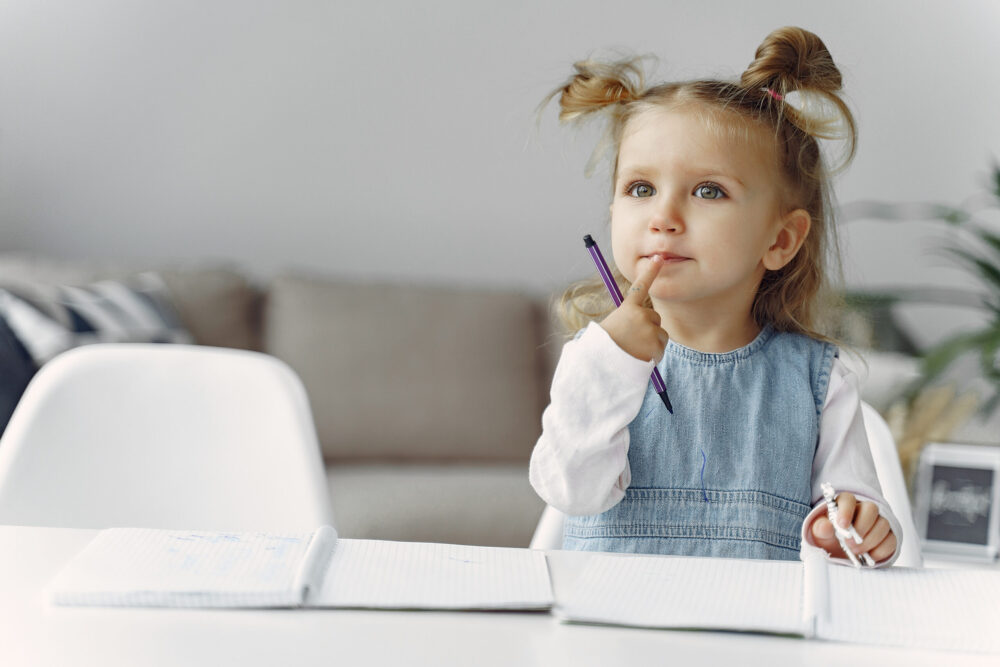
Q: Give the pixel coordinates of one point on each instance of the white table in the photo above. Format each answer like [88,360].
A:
[34,633]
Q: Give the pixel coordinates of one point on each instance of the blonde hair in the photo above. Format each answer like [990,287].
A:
[790,89]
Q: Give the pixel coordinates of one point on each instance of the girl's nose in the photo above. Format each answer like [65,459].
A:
[667,218]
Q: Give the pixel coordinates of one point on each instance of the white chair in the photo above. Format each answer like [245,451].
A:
[163,436]
[890,477]
[549,532]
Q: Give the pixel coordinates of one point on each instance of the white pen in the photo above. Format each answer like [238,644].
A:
[843,533]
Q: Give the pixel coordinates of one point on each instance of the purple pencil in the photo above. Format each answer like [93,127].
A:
[616,295]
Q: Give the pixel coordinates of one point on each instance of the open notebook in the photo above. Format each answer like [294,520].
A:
[174,568]
[917,608]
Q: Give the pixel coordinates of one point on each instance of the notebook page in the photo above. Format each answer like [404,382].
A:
[177,568]
[418,575]
[916,608]
[687,592]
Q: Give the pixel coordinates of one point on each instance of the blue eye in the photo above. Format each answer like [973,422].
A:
[641,190]
[709,191]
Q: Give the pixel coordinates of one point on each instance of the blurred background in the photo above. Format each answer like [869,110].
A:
[360,164]
[399,141]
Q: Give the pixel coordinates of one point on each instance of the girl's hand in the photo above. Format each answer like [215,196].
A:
[879,540]
[635,327]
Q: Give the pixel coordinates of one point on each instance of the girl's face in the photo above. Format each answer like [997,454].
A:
[708,204]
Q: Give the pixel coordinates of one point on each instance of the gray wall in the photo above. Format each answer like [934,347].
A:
[398,140]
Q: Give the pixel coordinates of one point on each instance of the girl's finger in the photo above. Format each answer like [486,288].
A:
[846,504]
[822,529]
[879,531]
[825,538]
[640,287]
[865,516]
[884,549]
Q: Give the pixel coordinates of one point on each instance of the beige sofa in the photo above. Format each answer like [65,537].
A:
[427,399]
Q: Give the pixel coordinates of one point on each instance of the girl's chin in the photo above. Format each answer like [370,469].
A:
[668,295]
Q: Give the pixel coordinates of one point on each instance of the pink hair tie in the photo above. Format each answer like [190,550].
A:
[777,96]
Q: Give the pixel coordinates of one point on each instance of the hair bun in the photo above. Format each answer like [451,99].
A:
[796,69]
[598,85]
[789,59]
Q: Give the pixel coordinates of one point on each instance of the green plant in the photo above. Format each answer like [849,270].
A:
[977,250]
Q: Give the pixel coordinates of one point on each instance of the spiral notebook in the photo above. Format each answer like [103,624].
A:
[141,567]
[907,607]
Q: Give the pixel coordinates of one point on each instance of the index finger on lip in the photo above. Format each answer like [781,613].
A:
[640,288]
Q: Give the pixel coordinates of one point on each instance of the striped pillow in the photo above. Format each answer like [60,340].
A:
[16,370]
[49,319]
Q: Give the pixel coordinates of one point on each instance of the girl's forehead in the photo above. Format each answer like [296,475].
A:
[697,128]
[702,123]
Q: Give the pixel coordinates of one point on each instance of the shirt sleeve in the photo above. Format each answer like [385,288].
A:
[843,457]
[580,463]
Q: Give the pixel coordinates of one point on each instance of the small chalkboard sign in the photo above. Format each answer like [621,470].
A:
[958,500]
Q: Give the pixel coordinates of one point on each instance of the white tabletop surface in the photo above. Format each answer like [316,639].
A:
[34,633]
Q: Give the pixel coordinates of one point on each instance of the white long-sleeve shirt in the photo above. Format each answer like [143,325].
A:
[580,463]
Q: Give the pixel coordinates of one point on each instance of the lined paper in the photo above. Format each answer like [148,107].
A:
[164,568]
[916,608]
[167,568]
[686,592]
[419,575]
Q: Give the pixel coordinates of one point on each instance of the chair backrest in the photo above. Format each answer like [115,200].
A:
[549,532]
[163,436]
[890,477]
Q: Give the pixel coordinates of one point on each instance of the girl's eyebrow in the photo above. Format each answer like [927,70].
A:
[635,171]
[715,172]
[721,174]
[631,171]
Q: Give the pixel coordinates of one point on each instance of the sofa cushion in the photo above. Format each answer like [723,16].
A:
[408,372]
[459,504]
[50,319]
[16,370]
[217,306]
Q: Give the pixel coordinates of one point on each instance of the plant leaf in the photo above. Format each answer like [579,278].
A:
[954,216]
[987,271]
[939,357]
[889,296]
[989,361]
[991,240]
[878,210]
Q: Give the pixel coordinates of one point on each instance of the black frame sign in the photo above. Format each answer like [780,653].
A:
[958,500]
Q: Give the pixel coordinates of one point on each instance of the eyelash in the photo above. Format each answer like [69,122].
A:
[722,192]
[634,184]
[709,184]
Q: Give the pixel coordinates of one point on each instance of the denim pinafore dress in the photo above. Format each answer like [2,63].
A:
[729,473]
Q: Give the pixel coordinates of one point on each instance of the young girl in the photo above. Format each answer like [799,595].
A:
[719,221]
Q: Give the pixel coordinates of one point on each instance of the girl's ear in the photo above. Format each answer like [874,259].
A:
[792,233]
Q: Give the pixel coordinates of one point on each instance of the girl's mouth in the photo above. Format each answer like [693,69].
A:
[668,257]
